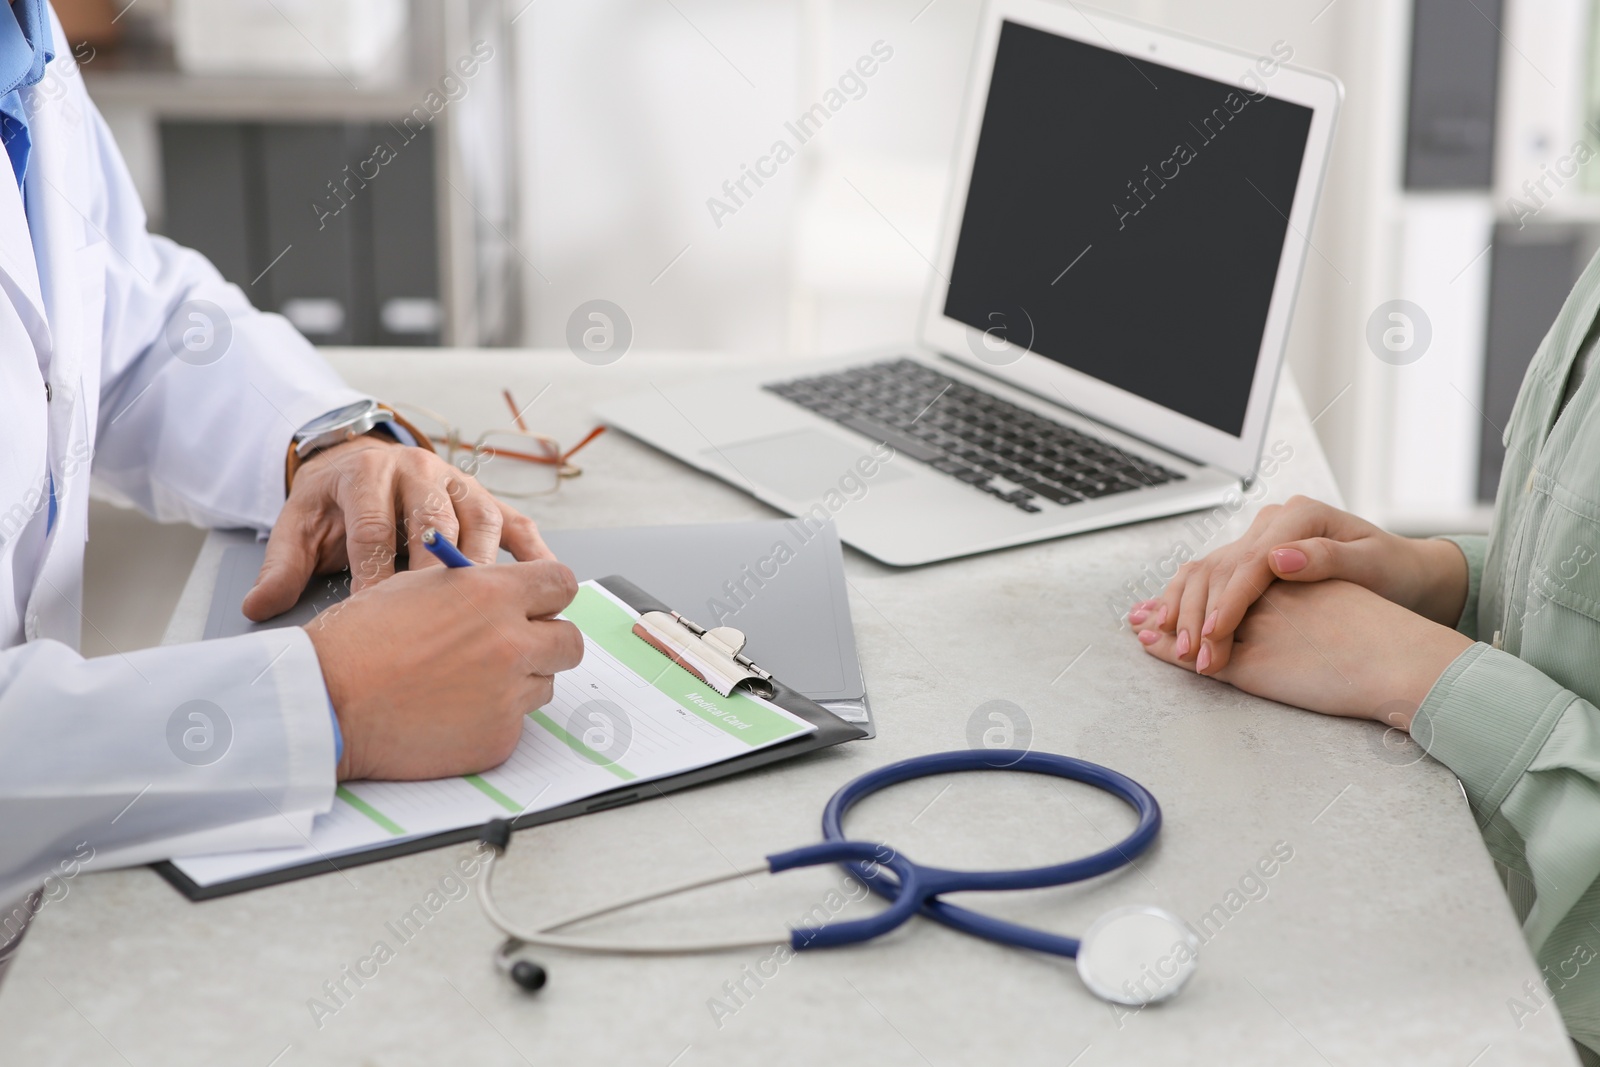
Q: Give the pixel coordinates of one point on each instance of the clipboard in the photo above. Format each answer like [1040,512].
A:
[830,730]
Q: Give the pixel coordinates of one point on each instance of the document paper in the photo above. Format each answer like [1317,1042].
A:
[627,714]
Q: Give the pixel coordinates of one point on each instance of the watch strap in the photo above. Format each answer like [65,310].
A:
[294,461]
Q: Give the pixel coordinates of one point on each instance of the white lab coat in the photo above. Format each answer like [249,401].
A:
[88,749]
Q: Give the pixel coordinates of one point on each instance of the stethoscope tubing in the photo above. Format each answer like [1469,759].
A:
[936,880]
[910,888]
[546,936]
[799,938]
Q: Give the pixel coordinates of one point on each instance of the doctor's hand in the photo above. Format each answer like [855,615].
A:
[1300,541]
[1333,647]
[432,671]
[359,504]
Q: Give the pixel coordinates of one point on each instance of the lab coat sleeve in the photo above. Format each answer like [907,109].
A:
[119,757]
[1527,752]
[201,393]
[1475,547]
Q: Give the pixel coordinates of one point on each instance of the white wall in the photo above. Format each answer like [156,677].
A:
[634,112]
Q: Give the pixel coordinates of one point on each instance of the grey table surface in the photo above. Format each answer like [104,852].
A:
[1385,938]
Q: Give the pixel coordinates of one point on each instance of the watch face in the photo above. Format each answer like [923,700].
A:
[333,420]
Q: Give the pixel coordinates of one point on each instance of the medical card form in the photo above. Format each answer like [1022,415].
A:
[626,714]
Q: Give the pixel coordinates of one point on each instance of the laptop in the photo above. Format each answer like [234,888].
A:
[1105,320]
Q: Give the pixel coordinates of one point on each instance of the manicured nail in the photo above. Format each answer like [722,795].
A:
[1211,624]
[1136,617]
[1288,560]
[1203,660]
[1182,647]
[1161,616]
[1148,637]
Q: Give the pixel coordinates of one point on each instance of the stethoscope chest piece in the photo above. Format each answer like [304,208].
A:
[1137,955]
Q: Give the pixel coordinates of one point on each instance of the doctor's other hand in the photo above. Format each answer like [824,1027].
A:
[360,503]
[1300,541]
[432,671]
[1333,647]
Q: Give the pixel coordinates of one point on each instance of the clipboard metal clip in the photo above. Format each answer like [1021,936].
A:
[714,656]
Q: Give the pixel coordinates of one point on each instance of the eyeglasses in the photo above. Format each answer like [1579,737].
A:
[507,462]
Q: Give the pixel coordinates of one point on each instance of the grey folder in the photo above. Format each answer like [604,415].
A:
[1455,71]
[779,581]
[1531,271]
[405,249]
[323,258]
[207,176]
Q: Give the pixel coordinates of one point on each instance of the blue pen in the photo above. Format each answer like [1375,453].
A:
[440,546]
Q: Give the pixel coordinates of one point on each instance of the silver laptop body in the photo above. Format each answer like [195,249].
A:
[1121,252]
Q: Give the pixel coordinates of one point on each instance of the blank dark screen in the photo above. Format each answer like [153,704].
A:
[1130,217]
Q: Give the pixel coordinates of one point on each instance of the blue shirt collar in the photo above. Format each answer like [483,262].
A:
[25,43]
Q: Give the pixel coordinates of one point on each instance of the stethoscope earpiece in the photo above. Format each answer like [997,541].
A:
[529,975]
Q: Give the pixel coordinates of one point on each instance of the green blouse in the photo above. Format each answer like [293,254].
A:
[1517,716]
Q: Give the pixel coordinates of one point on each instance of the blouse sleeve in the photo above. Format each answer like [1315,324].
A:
[1474,547]
[1527,752]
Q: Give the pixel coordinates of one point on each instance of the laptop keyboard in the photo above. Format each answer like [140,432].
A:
[1007,451]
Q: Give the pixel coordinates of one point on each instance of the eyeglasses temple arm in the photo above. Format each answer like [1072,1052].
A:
[596,432]
[515,414]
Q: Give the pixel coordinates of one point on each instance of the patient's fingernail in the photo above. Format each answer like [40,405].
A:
[1148,637]
[1211,624]
[1182,648]
[1136,617]
[1288,560]
[1203,660]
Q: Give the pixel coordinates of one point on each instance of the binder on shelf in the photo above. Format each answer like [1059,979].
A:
[334,225]
[1534,268]
[404,239]
[313,267]
[207,171]
[1450,122]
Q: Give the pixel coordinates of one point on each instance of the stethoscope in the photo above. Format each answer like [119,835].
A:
[1131,955]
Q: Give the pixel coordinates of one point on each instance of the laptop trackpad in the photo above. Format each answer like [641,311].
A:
[803,465]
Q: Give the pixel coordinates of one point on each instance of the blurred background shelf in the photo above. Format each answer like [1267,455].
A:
[581,163]
[146,75]
[461,281]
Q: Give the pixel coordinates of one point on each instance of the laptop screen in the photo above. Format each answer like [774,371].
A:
[1126,220]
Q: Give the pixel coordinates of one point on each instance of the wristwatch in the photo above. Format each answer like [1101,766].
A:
[343,424]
